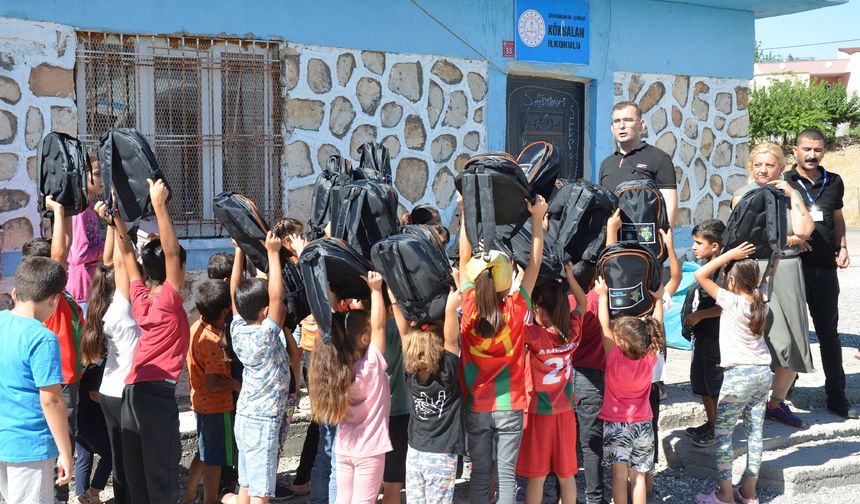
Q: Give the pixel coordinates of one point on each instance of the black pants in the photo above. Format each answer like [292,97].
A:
[822,297]
[588,388]
[150,442]
[112,409]
[70,395]
[654,400]
[309,454]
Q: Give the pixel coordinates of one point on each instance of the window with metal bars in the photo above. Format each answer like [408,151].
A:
[210,108]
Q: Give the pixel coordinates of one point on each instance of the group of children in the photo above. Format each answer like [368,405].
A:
[496,379]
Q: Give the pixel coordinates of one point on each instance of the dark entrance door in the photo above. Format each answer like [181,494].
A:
[550,110]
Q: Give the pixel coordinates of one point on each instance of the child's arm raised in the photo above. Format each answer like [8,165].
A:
[236,274]
[403,326]
[125,254]
[54,408]
[465,246]
[158,193]
[575,288]
[377,311]
[277,308]
[451,328]
[61,236]
[675,274]
[703,275]
[603,315]
[538,210]
[612,227]
[101,209]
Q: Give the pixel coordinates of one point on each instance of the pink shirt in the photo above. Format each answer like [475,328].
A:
[627,386]
[364,433]
[164,334]
[85,253]
[739,345]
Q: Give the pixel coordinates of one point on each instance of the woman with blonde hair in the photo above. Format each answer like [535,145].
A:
[787,332]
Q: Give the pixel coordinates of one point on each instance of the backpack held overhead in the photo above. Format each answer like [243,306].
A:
[760,218]
[494,191]
[540,162]
[519,248]
[364,211]
[416,270]
[127,161]
[631,273]
[336,173]
[578,212]
[374,161]
[329,263]
[643,215]
[63,165]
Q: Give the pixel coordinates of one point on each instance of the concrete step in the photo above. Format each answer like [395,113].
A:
[824,455]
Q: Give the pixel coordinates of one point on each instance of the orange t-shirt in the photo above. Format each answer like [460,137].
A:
[67,323]
[205,356]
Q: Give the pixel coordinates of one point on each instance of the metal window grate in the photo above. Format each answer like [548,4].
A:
[210,108]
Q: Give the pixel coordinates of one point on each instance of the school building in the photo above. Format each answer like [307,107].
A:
[254,96]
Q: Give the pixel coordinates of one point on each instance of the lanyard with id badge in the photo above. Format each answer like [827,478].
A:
[816,213]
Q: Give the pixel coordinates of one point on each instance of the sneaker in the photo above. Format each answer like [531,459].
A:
[842,408]
[783,414]
[704,440]
[698,431]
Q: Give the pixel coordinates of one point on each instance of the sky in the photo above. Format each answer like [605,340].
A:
[829,24]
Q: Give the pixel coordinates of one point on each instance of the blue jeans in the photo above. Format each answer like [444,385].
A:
[84,450]
[486,430]
[323,480]
[257,438]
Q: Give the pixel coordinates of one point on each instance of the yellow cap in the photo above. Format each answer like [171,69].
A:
[499,265]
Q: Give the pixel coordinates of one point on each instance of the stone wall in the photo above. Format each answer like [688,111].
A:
[429,111]
[702,123]
[37,94]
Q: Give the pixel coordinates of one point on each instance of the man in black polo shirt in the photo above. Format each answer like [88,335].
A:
[634,159]
[825,251]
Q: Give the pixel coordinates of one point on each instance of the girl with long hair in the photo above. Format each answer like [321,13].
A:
[745,357]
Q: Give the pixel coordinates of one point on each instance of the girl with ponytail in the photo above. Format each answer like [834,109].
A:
[746,361]
[550,429]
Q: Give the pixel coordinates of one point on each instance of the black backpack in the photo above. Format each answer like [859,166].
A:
[245,224]
[364,211]
[374,161]
[126,161]
[643,215]
[578,212]
[519,247]
[336,173]
[761,218]
[62,168]
[540,162]
[416,269]
[330,262]
[494,190]
[631,273]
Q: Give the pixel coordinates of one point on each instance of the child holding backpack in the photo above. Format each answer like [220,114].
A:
[631,346]
[550,430]
[492,362]
[746,360]
[349,389]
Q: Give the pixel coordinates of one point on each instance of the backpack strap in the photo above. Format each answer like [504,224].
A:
[774,239]
[488,213]
[349,215]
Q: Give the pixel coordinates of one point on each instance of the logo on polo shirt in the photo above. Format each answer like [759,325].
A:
[641,165]
[531,28]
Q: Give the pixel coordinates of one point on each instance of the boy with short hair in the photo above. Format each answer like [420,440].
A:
[150,416]
[258,314]
[212,390]
[706,375]
[34,430]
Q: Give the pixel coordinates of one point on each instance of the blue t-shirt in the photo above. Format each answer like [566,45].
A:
[30,359]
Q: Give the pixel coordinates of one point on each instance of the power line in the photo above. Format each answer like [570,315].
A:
[809,45]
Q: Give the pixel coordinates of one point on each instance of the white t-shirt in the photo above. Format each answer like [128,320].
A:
[738,345]
[121,334]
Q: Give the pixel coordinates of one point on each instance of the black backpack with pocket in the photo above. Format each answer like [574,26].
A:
[244,223]
[494,190]
[540,162]
[578,212]
[336,173]
[331,263]
[374,161]
[364,211]
[631,273]
[519,248]
[760,218]
[416,270]
[63,165]
[126,161]
[643,215]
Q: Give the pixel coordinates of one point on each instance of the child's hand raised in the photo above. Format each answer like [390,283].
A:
[668,237]
[54,206]
[614,223]
[742,251]
[272,243]
[538,208]
[102,211]
[374,280]
[158,192]
[297,243]
[600,287]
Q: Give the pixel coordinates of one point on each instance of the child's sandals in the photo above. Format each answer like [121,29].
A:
[710,498]
[736,491]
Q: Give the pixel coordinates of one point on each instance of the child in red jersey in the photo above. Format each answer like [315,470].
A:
[550,430]
[492,359]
